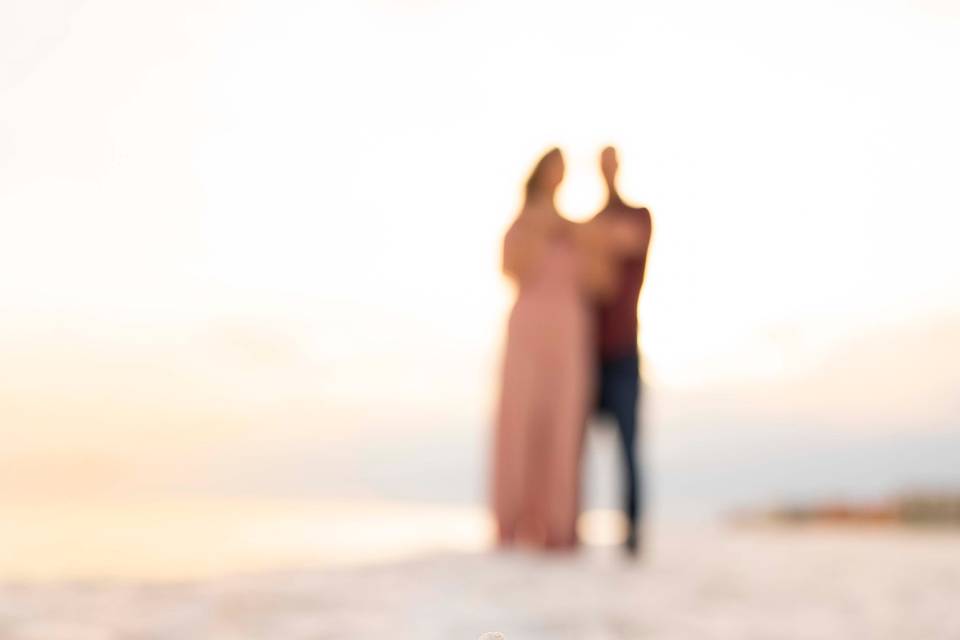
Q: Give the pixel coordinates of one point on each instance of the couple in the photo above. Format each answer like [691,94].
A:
[571,350]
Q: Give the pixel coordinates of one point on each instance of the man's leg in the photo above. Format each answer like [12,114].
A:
[623,378]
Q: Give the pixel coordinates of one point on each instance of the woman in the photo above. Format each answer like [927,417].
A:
[560,268]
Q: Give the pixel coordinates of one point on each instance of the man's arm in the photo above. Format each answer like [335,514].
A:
[630,235]
[646,228]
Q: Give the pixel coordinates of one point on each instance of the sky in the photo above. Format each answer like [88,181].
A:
[252,246]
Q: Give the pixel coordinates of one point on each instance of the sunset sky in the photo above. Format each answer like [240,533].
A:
[236,236]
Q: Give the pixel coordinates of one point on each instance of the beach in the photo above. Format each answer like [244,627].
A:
[698,581]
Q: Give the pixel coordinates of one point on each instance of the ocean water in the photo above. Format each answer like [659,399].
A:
[179,538]
[228,570]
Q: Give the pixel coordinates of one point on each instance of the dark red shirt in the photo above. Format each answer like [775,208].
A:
[617,322]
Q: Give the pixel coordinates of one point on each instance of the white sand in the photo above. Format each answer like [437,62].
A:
[807,583]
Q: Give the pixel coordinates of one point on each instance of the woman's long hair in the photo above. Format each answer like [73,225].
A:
[535,187]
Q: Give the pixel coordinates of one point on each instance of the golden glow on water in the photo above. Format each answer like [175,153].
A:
[184,539]
[602,527]
[176,539]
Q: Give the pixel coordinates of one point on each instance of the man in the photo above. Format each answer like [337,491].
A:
[619,375]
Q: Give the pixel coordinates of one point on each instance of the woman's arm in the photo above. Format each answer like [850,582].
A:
[517,247]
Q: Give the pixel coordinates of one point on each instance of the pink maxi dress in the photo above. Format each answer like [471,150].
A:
[546,387]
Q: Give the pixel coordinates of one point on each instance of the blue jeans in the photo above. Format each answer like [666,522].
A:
[619,396]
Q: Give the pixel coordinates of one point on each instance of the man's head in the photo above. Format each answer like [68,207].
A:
[609,165]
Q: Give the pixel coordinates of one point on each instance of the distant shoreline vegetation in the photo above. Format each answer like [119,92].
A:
[920,508]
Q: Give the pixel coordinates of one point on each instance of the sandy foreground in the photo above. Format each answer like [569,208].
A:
[696,583]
